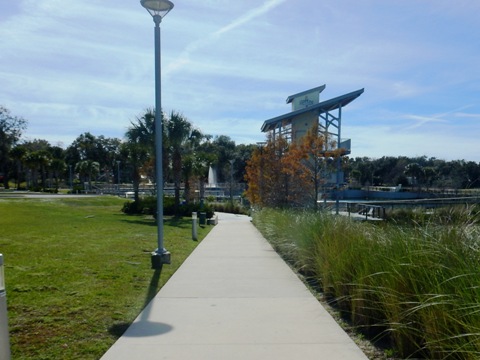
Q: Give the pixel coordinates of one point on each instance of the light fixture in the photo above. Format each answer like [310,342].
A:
[157,7]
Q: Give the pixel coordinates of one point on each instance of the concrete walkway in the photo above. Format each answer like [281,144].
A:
[234,298]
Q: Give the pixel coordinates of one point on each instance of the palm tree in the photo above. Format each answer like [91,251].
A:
[205,156]
[57,166]
[142,130]
[136,155]
[45,159]
[11,128]
[37,161]
[140,146]
[17,154]
[87,169]
[181,137]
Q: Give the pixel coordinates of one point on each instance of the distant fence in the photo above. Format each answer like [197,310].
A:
[379,192]
[378,209]
[367,210]
[125,190]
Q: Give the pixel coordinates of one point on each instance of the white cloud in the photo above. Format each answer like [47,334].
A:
[379,141]
[88,65]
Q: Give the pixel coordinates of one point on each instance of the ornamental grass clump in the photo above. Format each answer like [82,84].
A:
[414,284]
[277,225]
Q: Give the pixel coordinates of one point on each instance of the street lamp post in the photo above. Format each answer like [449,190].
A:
[158,9]
[118,177]
[231,179]
[71,177]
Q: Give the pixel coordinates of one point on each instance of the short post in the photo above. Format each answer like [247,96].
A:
[194,226]
[4,337]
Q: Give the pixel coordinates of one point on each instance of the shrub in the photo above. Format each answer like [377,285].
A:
[51,190]
[229,207]
[148,206]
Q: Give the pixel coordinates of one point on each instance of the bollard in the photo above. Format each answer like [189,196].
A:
[4,337]
[194,226]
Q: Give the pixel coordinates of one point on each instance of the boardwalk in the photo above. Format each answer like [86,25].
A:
[234,298]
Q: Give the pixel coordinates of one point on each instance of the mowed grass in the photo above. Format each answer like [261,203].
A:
[78,272]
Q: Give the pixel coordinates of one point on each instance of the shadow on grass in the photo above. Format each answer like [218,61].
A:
[183,223]
[140,221]
[143,327]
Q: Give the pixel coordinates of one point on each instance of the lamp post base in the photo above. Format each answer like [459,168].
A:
[159,259]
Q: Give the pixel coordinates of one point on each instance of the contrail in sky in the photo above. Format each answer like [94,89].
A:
[443,117]
[184,57]
[252,14]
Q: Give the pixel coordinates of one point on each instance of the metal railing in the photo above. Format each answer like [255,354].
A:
[368,210]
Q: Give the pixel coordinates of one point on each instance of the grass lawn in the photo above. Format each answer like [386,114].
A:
[78,272]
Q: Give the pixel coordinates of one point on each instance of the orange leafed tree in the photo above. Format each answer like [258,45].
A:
[308,164]
[267,182]
[280,173]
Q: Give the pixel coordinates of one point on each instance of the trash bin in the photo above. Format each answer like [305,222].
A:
[203,218]
[4,337]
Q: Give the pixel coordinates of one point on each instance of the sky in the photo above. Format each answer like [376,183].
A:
[70,67]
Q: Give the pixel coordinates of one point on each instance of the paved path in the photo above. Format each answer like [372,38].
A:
[234,298]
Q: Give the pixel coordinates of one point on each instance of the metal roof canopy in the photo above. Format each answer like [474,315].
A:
[321,108]
[319,89]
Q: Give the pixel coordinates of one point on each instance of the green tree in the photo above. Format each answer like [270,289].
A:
[182,139]
[416,172]
[37,160]
[82,148]
[430,174]
[243,153]
[100,149]
[355,175]
[204,156]
[11,128]
[37,163]
[87,169]
[57,168]
[139,149]
[472,171]
[17,155]
[110,154]
[224,148]
[190,159]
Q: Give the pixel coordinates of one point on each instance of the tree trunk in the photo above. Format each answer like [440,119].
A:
[187,190]
[5,176]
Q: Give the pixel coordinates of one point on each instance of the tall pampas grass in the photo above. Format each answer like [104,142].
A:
[414,282]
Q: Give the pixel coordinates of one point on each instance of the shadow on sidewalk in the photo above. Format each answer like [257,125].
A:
[143,327]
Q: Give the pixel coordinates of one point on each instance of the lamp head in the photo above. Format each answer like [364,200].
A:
[157,7]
